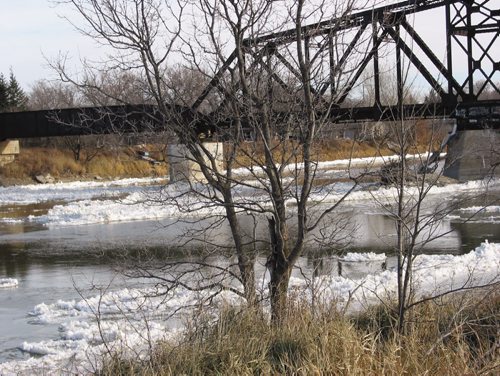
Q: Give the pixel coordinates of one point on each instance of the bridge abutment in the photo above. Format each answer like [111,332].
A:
[183,167]
[473,154]
[8,151]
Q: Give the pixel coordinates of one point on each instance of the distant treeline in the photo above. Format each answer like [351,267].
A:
[12,96]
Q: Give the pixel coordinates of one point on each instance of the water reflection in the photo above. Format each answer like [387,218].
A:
[349,230]
[23,211]
[378,233]
[361,226]
[98,244]
[332,265]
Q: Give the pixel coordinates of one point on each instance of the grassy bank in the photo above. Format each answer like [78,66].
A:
[452,337]
[121,162]
[61,164]
[124,162]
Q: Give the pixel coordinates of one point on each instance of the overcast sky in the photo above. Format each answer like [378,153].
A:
[33,31]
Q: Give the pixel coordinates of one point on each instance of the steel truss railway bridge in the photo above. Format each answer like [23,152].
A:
[471,69]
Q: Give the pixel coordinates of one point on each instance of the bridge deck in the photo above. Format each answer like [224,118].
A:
[146,118]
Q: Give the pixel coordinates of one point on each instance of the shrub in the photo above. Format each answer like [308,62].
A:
[61,164]
[438,342]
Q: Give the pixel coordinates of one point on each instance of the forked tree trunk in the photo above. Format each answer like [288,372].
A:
[278,289]
[280,270]
[246,260]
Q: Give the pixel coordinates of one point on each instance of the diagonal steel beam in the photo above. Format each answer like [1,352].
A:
[214,81]
[415,61]
[348,51]
[362,67]
[287,64]
[432,57]
[350,20]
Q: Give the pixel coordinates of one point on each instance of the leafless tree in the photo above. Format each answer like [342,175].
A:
[254,95]
[285,124]
[107,88]
[418,215]
[57,95]
[388,91]
[46,95]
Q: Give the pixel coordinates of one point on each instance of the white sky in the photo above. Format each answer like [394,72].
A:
[33,30]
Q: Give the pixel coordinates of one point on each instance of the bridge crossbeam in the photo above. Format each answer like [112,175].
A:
[472,28]
[340,52]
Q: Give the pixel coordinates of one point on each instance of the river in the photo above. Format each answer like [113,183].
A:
[54,264]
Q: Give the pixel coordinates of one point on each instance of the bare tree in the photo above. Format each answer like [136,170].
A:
[47,95]
[417,213]
[388,91]
[285,116]
[111,87]
[278,103]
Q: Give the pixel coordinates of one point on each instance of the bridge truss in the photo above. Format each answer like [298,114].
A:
[472,29]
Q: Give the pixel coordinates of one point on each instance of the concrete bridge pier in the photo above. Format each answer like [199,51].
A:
[8,151]
[182,166]
[473,154]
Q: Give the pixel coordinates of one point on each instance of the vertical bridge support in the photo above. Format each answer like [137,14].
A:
[8,151]
[473,154]
[183,167]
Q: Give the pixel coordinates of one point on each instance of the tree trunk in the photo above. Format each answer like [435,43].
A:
[246,264]
[278,289]
[246,260]
[402,251]
[280,270]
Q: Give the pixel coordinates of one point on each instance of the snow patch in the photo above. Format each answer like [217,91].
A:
[8,282]
[363,257]
[131,319]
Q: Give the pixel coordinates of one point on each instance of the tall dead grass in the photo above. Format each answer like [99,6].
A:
[451,338]
[123,162]
[252,153]
[60,163]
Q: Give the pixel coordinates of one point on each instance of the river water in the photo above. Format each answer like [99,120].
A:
[60,263]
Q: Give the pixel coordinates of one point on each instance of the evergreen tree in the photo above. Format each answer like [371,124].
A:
[4,100]
[16,98]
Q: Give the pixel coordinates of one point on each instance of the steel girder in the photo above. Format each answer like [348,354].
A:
[472,26]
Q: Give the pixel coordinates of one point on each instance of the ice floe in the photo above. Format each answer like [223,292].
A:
[363,257]
[481,209]
[128,320]
[176,200]
[126,200]
[78,190]
[8,282]
[432,275]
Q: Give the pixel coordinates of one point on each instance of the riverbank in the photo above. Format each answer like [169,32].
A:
[113,163]
[449,336]
[61,166]
[339,326]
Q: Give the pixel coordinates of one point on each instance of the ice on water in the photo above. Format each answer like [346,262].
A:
[128,320]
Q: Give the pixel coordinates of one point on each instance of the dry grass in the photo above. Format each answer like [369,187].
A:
[329,149]
[123,162]
[439,342]
[61,164]
[252,153]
